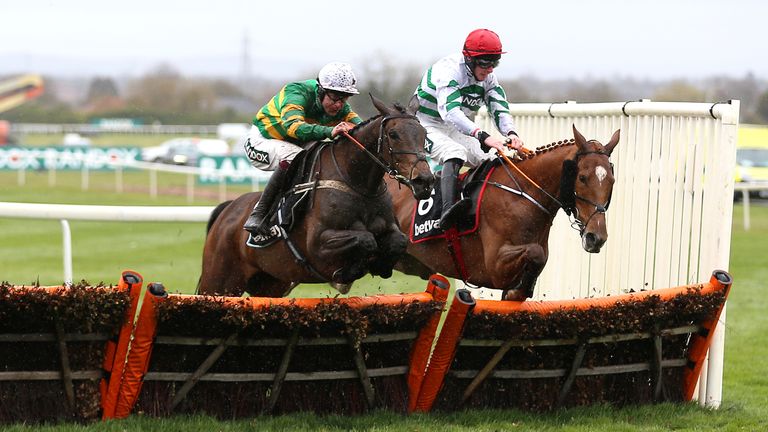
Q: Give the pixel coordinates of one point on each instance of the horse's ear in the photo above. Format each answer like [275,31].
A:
[379,105]
[413,105]
[580,140]
[612,143]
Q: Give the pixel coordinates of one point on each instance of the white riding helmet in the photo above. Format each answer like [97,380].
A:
[338,77]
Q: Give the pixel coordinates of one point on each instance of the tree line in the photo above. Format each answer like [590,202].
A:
[165,96]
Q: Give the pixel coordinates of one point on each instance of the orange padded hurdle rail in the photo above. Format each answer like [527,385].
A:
[450,335]
[123,391]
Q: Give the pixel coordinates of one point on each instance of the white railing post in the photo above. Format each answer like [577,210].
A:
[714,391]
[119,179]
[745,201]
[67,251]
[190,188]
[153,183]
[84,177]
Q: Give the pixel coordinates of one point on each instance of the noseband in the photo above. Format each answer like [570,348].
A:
[392,170]
[568,200]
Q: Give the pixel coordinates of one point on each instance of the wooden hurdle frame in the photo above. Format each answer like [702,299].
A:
[452,341]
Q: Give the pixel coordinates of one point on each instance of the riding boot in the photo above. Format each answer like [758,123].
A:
[256,221]
[449,191]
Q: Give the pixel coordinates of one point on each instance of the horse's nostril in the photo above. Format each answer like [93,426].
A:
[590,238]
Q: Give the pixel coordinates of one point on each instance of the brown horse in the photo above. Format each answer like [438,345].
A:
[349,229]
[508,249]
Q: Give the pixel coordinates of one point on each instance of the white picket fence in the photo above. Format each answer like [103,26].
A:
[669,222]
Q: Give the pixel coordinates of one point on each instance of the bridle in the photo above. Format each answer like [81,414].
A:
[569,205]
[567,199]
[388,167]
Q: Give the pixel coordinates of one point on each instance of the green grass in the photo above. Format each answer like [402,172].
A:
[161,252]
[170,252]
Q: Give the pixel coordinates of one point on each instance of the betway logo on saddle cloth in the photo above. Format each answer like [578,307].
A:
[425,223]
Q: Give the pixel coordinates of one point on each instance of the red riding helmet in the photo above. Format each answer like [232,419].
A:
[482,42]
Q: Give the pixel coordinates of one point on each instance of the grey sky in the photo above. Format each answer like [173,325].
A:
[656,39]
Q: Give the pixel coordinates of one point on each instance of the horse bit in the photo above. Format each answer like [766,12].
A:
[568,205]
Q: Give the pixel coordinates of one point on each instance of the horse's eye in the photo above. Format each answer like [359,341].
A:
[393,135]
[583,179]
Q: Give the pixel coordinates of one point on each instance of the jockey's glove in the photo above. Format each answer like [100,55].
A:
[481,136]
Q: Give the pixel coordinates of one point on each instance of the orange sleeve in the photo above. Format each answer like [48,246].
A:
[438,286]
[445,350]
[132,282]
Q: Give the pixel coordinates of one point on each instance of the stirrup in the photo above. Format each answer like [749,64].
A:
[255,225]
[450,216]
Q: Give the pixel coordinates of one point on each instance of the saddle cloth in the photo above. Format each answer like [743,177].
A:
[425,222]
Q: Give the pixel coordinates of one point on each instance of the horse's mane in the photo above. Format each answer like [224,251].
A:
[365,122]
[546,148]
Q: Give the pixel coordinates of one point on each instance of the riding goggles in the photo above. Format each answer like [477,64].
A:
[337,97]
[486,64]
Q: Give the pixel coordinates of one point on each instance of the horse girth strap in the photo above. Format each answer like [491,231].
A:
[298,256]
[454,247]
[329,184]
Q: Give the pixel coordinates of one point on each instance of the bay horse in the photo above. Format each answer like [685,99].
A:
[349,229]
[507,248]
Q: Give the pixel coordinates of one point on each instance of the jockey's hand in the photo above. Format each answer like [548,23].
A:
[497,143]
[341,128]
[514,142]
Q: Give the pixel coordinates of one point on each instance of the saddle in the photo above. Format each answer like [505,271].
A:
[426,214]
[296,194]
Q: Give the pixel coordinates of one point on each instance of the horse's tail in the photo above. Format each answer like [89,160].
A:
[215,214]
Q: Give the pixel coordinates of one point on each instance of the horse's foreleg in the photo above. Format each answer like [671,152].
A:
[232,284]
[392,245]
[409,265]
[265,285]
[354,248]
[516,268]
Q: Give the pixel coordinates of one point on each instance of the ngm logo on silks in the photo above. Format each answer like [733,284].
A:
[472,98]
[64,158]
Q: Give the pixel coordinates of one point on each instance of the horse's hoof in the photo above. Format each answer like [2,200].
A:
[515,295]
[340,287]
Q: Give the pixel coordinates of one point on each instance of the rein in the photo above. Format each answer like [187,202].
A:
[568,204]
[390,170]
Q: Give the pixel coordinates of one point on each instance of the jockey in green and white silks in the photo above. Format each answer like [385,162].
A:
[301,113]
[449,95]
[449,98]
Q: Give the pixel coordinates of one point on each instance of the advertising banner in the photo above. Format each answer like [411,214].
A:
[67,158]
[234,169]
